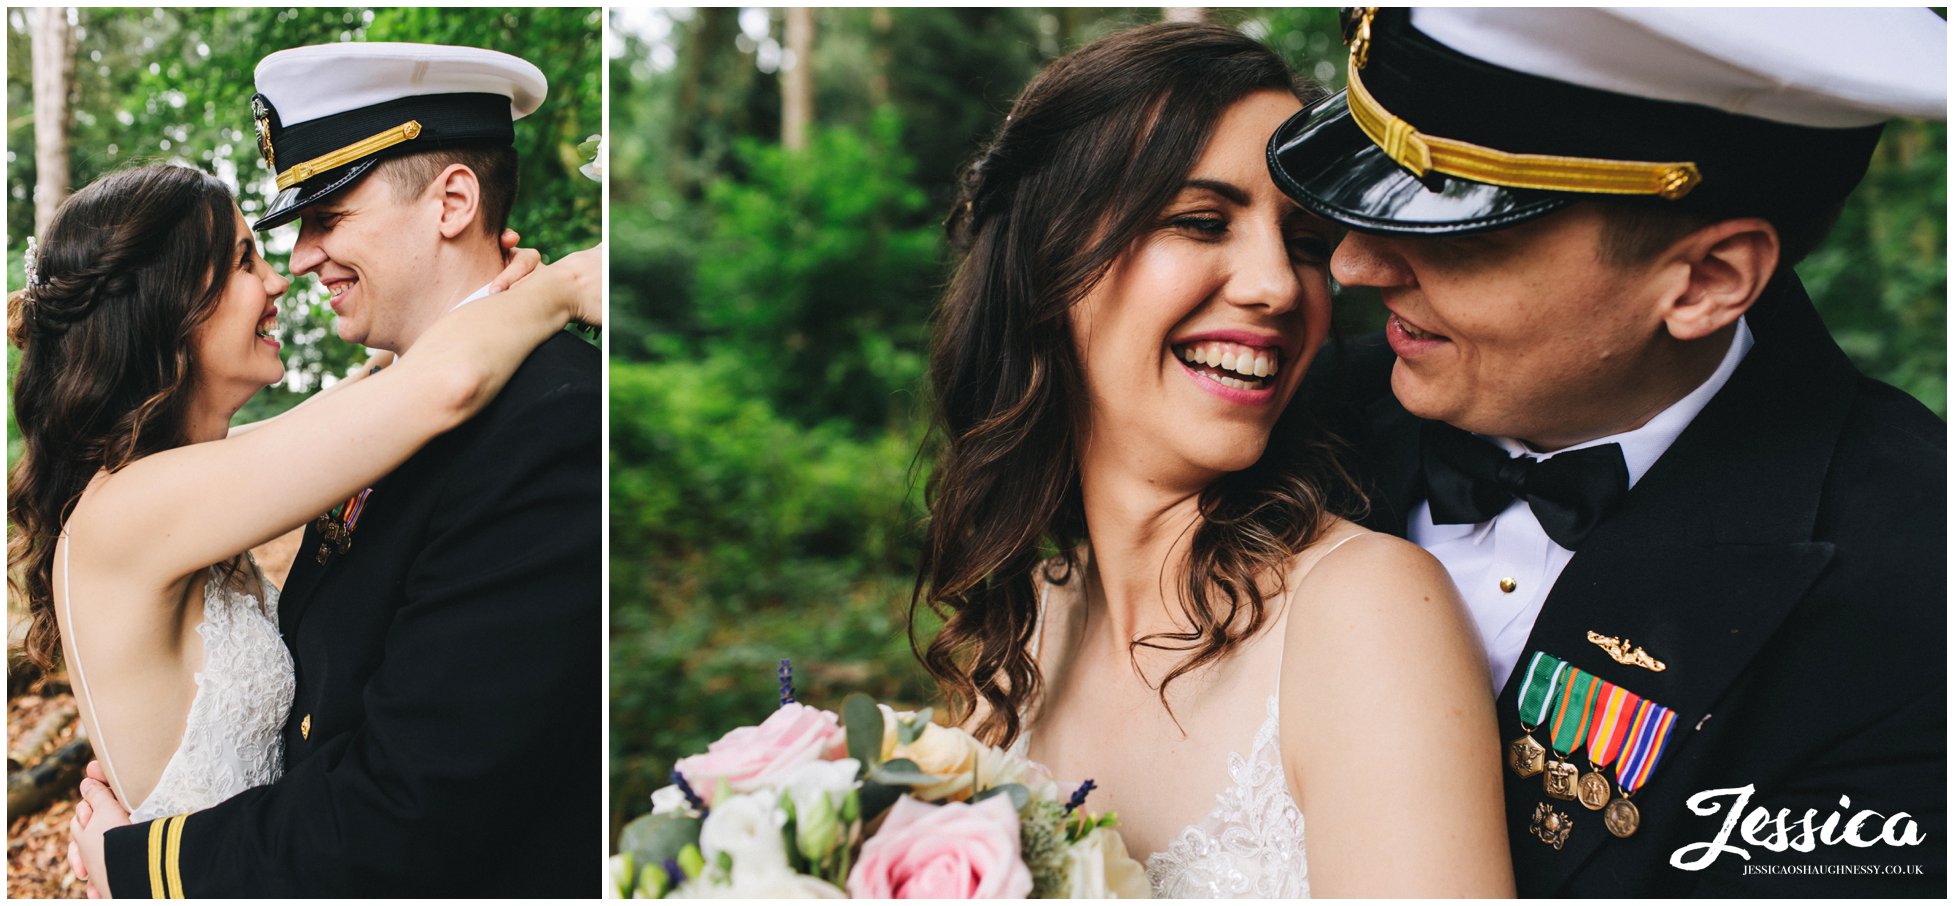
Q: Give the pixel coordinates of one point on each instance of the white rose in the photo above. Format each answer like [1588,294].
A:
[1098,868]
[747,828]
[997,767]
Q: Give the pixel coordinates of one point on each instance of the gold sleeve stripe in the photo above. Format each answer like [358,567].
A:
[172,854]
[406,131]
[156,891]
[1421,153]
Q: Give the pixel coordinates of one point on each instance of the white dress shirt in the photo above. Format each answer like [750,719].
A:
[1512,551]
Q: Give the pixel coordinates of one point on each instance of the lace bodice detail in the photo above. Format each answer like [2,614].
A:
[232,736]
[1251,844]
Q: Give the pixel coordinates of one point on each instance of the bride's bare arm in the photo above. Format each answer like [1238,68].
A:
[172,513]
[1388,730]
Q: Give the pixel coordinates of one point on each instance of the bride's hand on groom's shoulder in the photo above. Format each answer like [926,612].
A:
[582,272]
[577,278]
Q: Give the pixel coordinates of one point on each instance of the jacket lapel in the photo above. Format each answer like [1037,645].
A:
[1706,557]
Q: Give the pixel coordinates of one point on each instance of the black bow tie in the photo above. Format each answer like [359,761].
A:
[1469,480]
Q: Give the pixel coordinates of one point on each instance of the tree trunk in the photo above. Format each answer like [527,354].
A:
[37,787]
[54,63]
[40,737]
[881,27]
[797,79]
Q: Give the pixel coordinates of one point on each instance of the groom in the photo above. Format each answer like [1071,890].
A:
[445,624]
[1706,556]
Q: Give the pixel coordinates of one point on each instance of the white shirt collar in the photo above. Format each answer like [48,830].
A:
[478,294]
[1641,447]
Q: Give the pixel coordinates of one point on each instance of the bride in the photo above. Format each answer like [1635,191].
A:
[1213,645]
[144,327]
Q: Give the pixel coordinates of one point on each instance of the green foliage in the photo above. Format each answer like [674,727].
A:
[807,274]
[174,84]
[1880,279]
[740,537]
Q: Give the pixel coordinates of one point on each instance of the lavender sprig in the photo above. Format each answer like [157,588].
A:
[1079,796]
[786,675]
[691,797]
[676,873]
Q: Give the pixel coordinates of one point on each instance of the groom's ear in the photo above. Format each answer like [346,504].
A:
[460,194]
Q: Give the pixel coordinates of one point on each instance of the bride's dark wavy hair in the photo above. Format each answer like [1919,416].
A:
[1093,149]
[127,270]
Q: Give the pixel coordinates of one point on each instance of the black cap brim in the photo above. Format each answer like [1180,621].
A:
[1323,160]
[290,203]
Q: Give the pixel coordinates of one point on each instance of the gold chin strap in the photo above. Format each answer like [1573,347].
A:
[1422,154]
[406,131]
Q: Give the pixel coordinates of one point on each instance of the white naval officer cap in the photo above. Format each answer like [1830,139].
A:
[1461,119]
[327,113]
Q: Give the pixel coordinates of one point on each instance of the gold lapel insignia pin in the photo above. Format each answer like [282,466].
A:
[1625,652]
[305,727]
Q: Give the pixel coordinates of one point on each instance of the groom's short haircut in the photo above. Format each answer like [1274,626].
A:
[495,169]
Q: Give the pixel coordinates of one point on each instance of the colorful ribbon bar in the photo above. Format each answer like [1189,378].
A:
[1614,709]
[1537,690]
[1575,705]
[353,507]
[1648,733]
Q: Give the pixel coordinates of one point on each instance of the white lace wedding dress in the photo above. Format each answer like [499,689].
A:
[1250,844]
[232,734]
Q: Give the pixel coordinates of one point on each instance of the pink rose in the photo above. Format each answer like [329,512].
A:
[952,851]
[751,758]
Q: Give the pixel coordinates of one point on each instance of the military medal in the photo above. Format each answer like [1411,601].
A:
[1614,708]
[1648,734]
[1525,755]
[336,526]
[1574,704]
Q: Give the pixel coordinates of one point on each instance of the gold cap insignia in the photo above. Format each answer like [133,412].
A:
[1625,652]
[1357,33]
[261,112]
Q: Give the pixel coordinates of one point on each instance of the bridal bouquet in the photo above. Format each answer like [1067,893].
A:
[883,804]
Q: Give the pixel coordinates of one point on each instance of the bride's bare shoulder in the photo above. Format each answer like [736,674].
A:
[1371,592]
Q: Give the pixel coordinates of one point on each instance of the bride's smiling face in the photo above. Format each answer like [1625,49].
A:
[1195,339]
[235,346]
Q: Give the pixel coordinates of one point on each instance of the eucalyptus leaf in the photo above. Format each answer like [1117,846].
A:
[903,772]
[864,722]
[654,838]
[876,799]
[1020,796]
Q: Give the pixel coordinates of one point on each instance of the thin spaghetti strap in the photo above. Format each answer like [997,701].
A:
[1286,591]
[101,742]
[1346,540]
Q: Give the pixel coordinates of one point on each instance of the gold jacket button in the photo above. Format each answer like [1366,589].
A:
[305,727]
[1508,585]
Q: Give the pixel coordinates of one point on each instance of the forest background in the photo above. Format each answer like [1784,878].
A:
[780,178]
[143,85]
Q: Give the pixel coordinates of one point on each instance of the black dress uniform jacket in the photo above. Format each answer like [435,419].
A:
[1786,559]
[445,738]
